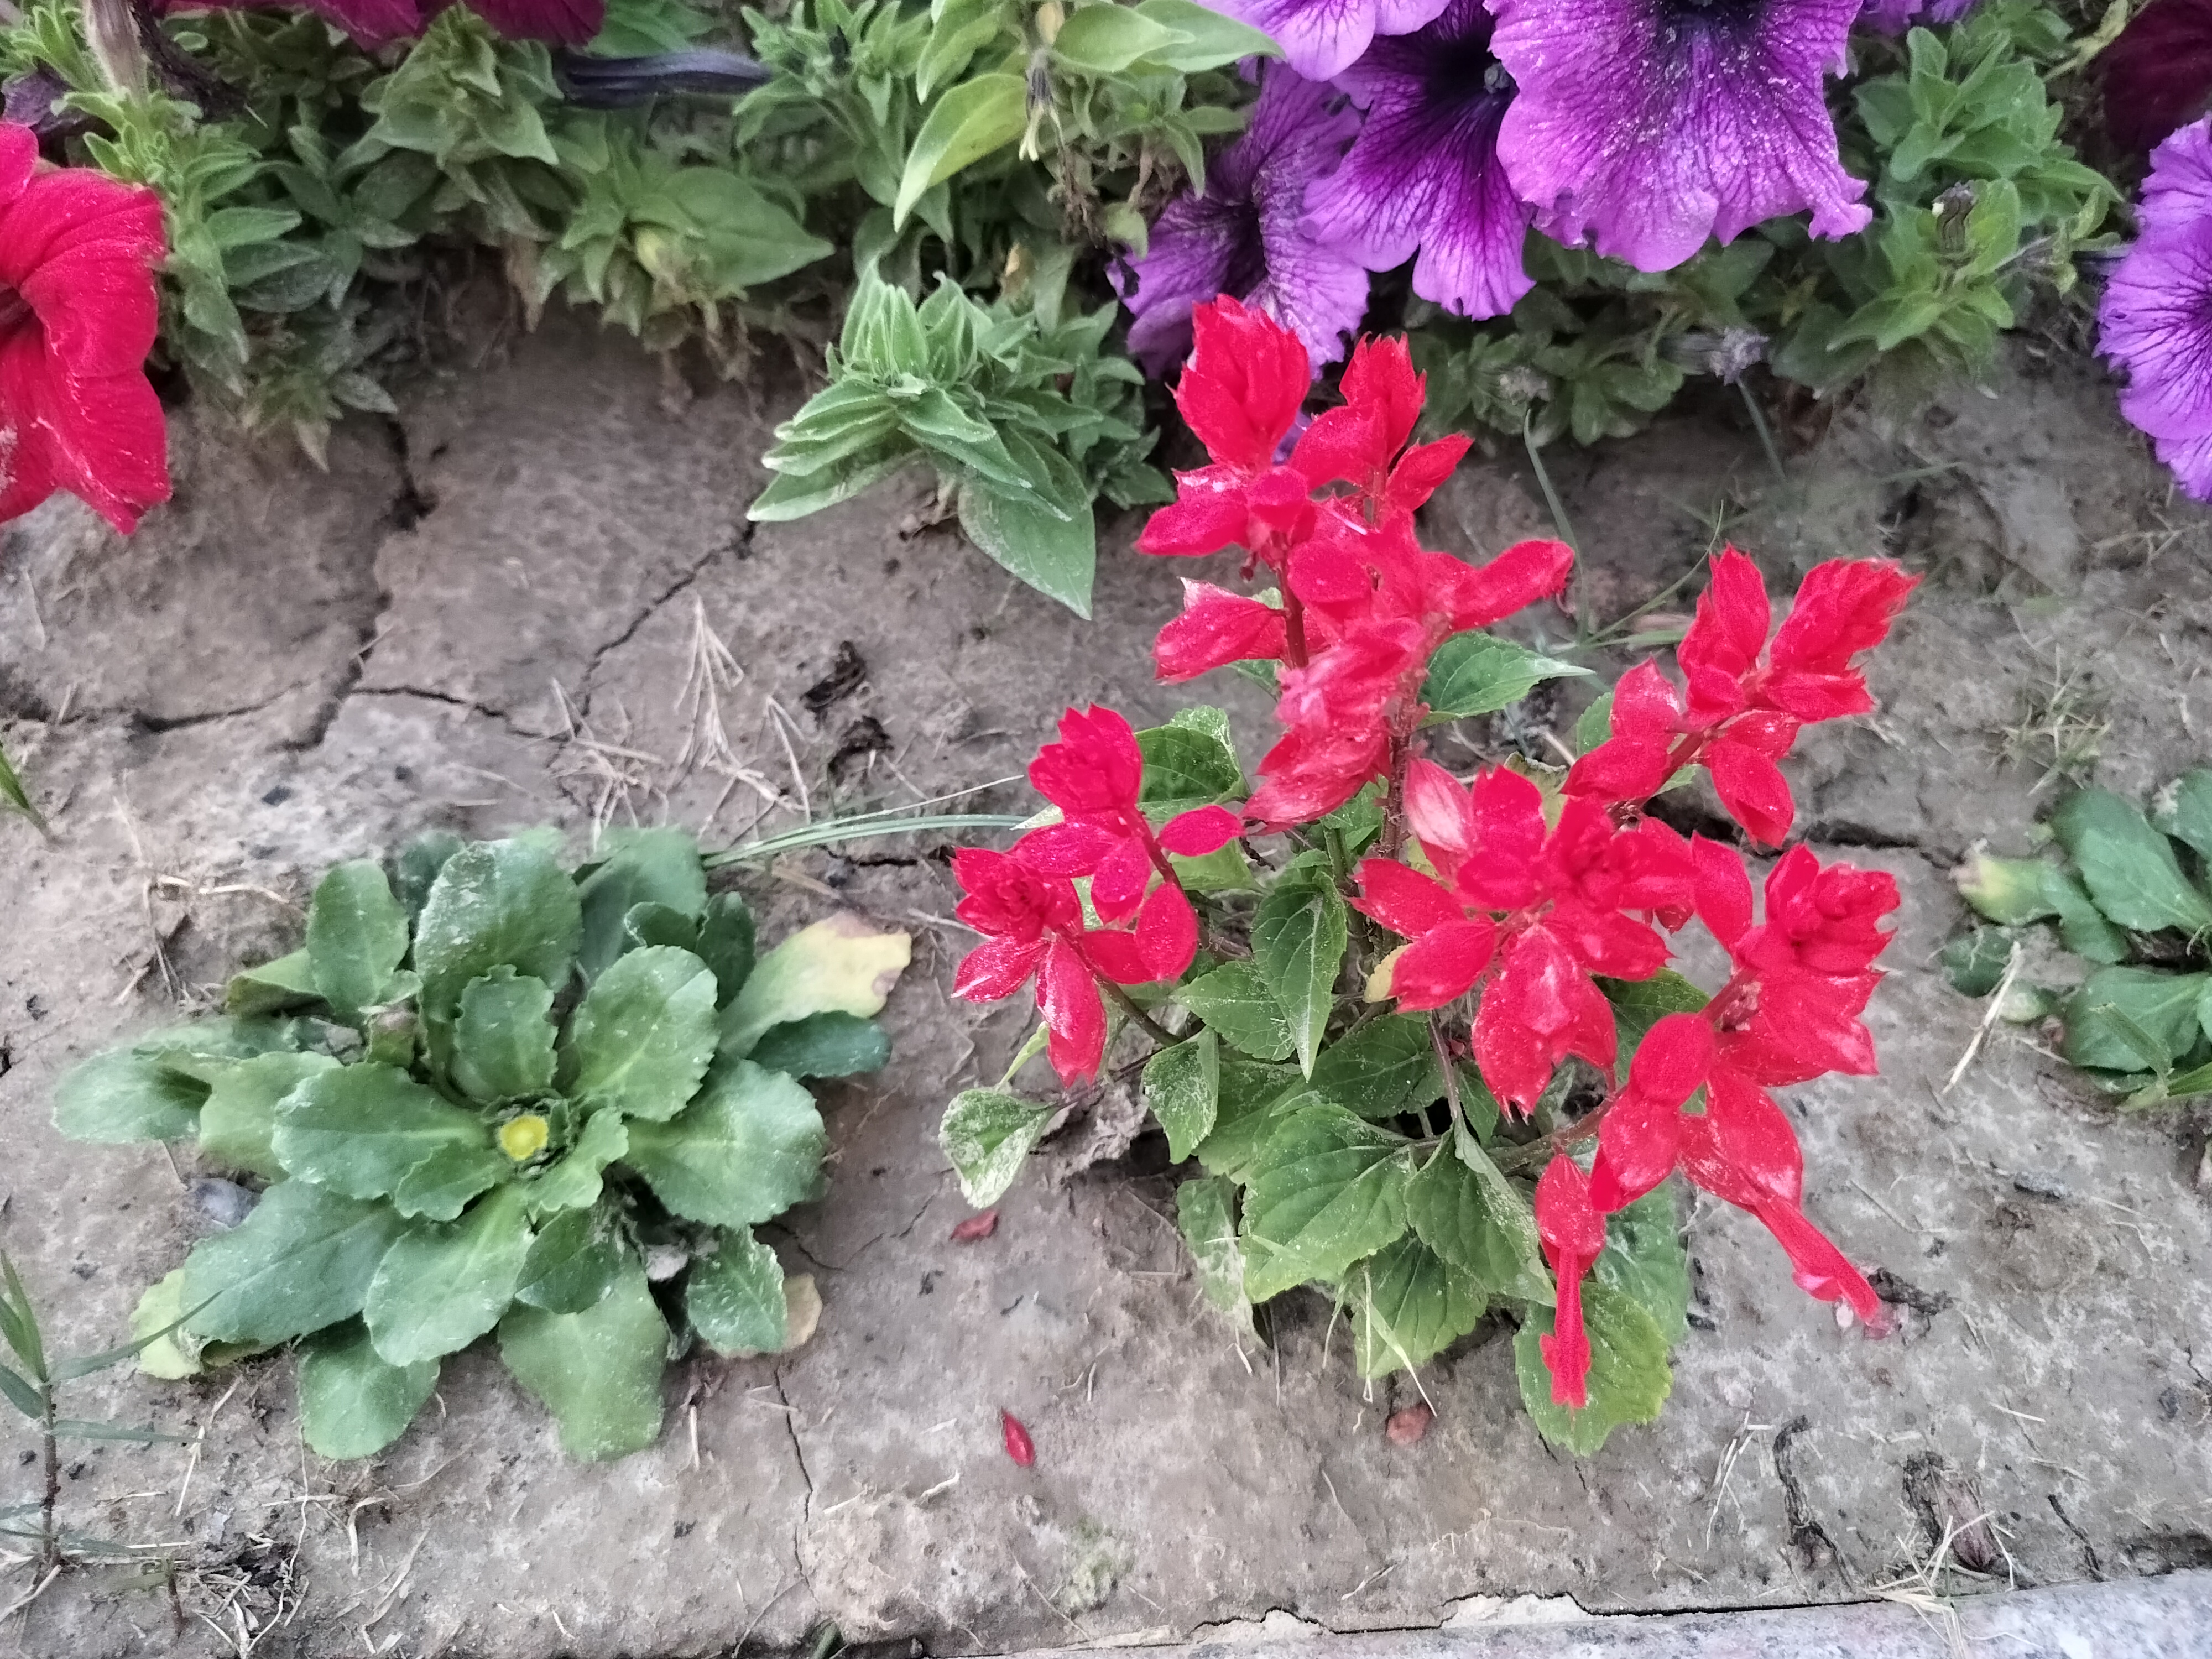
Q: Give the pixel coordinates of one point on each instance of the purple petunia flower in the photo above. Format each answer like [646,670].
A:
[1247,235]
[1644,126]
[2156,318]
[1895,16]
[1424,172]
[1320,39]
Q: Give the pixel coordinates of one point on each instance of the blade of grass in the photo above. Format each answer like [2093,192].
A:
[68,1371]
[22,1328]
[13,794]
[867,827]
[73,1428]
[24,1395]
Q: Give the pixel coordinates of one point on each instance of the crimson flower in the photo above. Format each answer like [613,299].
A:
[1034,924]
[1095,774]
[1742,711]
[1551,907]
[1360,440]
[1573,1233]
[78,315]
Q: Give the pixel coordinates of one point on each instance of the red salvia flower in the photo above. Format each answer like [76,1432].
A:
[78,315]
[1741,711]
[1572,1234]
[1361,440]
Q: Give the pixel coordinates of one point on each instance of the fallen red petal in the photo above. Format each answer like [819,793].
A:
[1019,1446]
[1406,1427]
[975,1227]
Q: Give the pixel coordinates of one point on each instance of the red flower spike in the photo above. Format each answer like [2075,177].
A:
[1572,1234]
[976,1228]
[1641,1138]
[1035,922]
[78,313]
[1217,627]
[1358,442]
[1241,388]
[1074,1014]
[1723,889]
[1019,1446]
[1539,1008]
[1201,830]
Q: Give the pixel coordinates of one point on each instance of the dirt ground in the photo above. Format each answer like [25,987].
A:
[484,615]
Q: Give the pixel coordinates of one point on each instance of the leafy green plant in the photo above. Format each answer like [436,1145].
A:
[2129,898]
[32,1386]
[491,1096]
[13,795]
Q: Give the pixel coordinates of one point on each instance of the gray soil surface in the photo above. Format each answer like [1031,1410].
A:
[483,615]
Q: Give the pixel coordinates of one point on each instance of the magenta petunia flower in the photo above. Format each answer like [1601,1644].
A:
[2155,322]
[1424,172]
[1320,39]
[1644,126]
[1248,236]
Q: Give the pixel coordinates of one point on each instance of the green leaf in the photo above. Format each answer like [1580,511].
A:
[982,114]
[2129,867]
[1408,1304]
[735,1297]
[824,1045]
[986,1135]
[356,938]
[1298,939]
[839,965]
[273,987]
[500,903]
[1182,1087]
[503,1041]
[644,1034]
[1629,1377]
[2104,1017]
[1189,763]
[302,1261]
[1976,961]
[440,1287]
[1479,673]
[2184,811]
[1386,1067]
[726,946]
[123,1096]
[14,796]
[1236,1001]
[598,1371]
[1045,535]
[358,1130]
[1327,1190]
[352,1402]
[1594,725]
[169,1353]
[659,924]
[241,1114]
[572,1263]
[576,1180]
[1468,1212]
[1254,1099]
[1643,1259]
[1205,1213]
[1211,41]
[1105,39]
[643,866]
[441,1186]
[746,1149]
[1640,1004]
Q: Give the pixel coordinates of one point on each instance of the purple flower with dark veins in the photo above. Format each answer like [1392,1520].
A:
[2156,320]
[1320,39]
[1895,16]
[1644,126]
[1424,172]
[1247,235]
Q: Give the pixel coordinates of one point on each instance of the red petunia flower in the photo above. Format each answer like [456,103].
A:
[78,313]
[1740,714]
[1572,1234]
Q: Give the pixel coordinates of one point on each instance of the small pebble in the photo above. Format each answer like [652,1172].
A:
[224,1203]
[2041,1186]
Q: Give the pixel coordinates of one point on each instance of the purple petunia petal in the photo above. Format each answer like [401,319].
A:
[1320,39]
[2191,461]
[1644,126]
[1424,172]
[563,22]
[1895,16]
[2156,324]
[2178,190]
[1247,235]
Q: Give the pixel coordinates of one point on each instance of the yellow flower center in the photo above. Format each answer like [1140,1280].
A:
[523,1138]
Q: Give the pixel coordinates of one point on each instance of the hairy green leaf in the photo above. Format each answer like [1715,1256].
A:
[1182,1087]
[356,938]
[353,1403]
[746,1149]
[735,1297]
[598,1371]
[302,1261]
[986,1135]
[644,1034]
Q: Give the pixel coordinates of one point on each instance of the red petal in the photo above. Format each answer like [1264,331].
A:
[1404,900]
[1521,574]
[1096,767]
[1380,381]
[1606,942]
[1073,1014]
[977,1227]
[1206,516]
[1733,616]
[1119,886]
[1541,1008]
[1116,953]
[1019,1446]
[1167,932]
[1751,787]
[1216,628]
[1442,964]
[1067,849]
[1672,1060]
[1644,705]
[1573,1233]
[1844,607]
[1342,443]
[1723,889]
[1620,769]
[1201,830]
[1821,1270]
[1241,388]
[1422,472]
[1809,697]
[1567,1223]
[1439,813]
[997,968]
[1636,1147]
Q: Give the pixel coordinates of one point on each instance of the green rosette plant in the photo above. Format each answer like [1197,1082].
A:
[492,1096]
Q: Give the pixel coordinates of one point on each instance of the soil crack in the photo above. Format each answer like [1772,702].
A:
[653,608]
[447,698]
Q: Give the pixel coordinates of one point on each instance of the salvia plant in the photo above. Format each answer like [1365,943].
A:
[1016,206]
[1419,1030]
[491,1096]
[2130,900]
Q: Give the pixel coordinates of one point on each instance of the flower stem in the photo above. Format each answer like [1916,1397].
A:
[1544,482]
[1765,436]
[1393,798]
[1152,1028]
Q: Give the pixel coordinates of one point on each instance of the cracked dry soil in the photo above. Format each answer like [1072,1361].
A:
[286,667]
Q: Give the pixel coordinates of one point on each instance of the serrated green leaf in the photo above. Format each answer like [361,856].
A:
[1182,1087]
[824,1045]
[735,1298]
[302,1261]
[1407,1305]
[273,987]
[441,1186]
[1189,765]
[1479,673]
[1234,1000]
[575,1180]
[124,1096]
[641,866]
[1386,1067]
[1468,1212]
[644,1034]
[1254,1098]
[1629,1375]
[356,938]
[2104,1017]
[2184,811]
[986,1135]
[440,1287]
[353,1403]
[241,1113]
[1643,1259]
[1298,938]
[502,904]
[1328,1189]
[726,946]
[503,1040]
[746,1149]
[598,1371]
[573,1262]
[359,1129]
[1206,1214]
[2129,868]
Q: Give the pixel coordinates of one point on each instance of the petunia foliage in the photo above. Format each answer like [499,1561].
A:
[490,1097]
[2128,994]
[1419,1030]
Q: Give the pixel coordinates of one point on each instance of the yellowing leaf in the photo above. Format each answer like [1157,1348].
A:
[839,965]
